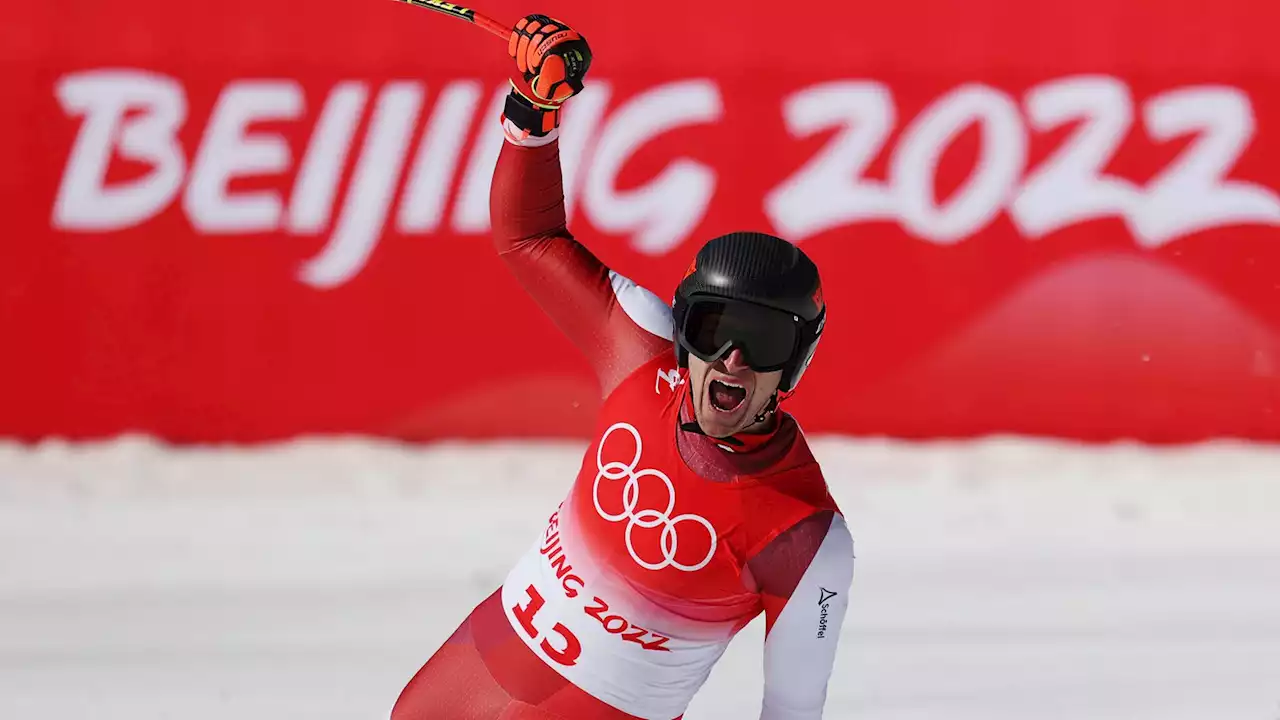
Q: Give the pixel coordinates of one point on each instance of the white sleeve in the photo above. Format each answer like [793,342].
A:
[644,308]
[800,650]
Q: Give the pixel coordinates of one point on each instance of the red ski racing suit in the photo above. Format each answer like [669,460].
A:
[668,542]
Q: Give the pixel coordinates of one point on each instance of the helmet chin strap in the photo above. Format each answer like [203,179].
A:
[768,410]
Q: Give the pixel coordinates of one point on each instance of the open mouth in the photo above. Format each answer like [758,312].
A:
[726,396]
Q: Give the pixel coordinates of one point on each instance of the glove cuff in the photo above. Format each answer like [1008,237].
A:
[524,115]
[521,138]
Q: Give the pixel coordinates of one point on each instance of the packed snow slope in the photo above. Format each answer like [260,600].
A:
[1005,579]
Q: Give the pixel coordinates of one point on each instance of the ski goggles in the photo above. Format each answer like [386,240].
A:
[768,338]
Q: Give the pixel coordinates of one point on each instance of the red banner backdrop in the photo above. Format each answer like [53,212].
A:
[246,220]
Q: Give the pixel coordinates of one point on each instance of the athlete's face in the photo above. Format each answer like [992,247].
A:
[728,394]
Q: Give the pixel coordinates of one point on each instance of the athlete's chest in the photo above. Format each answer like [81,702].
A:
[639,509]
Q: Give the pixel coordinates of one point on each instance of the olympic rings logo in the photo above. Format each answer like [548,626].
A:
[647,518]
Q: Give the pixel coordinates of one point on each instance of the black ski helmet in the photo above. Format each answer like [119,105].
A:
[759,269]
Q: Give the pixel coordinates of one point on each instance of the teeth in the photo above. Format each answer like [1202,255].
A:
[730,384]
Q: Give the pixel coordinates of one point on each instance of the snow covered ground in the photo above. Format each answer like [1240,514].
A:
[1000,580]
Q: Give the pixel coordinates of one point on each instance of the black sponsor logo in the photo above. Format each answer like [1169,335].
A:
[824,604]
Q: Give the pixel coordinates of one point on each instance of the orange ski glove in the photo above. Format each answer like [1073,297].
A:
[551,61]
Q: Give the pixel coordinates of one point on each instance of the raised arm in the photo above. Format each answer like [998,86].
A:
[804,576]
[615,323]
